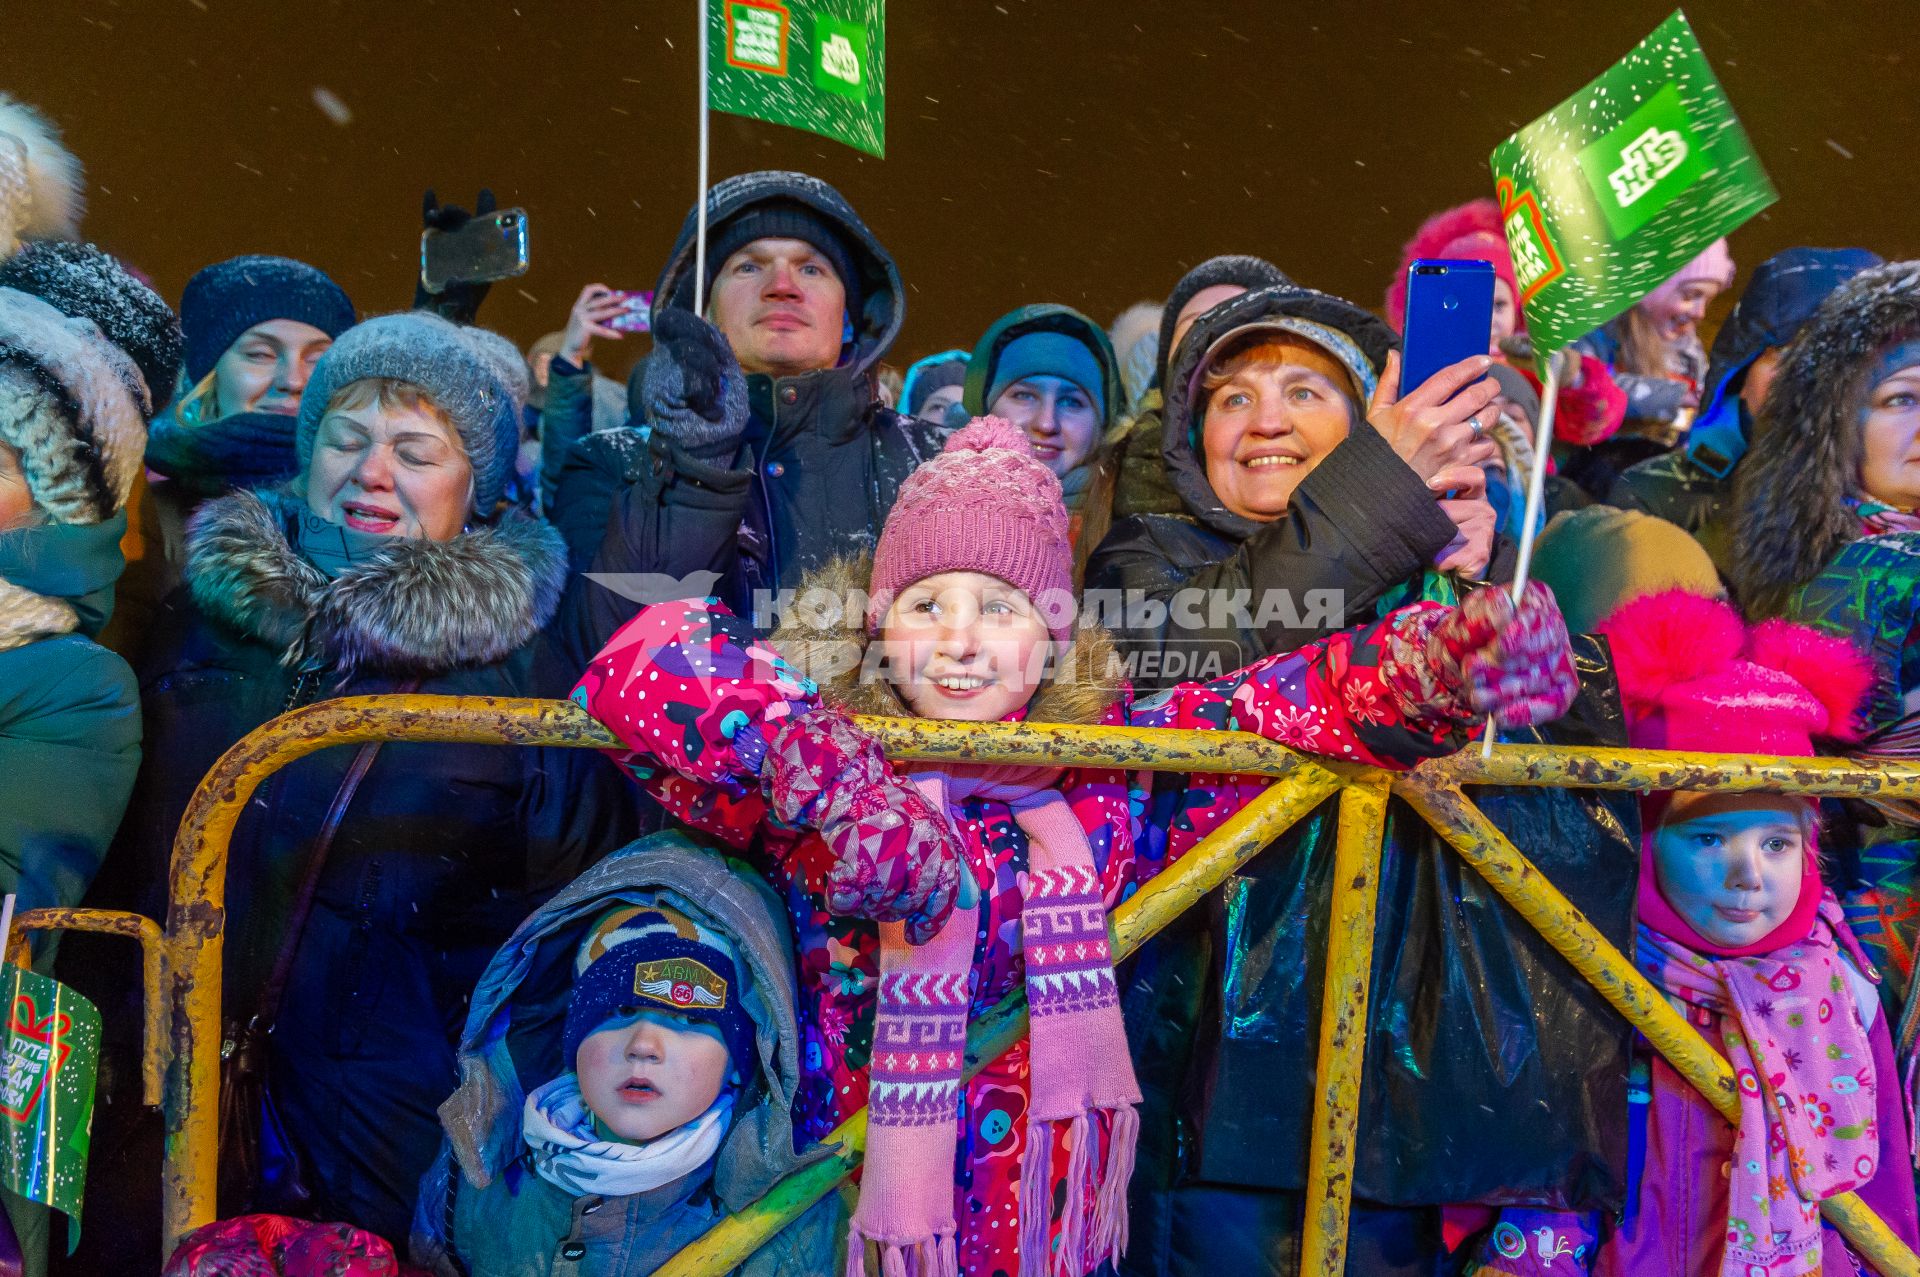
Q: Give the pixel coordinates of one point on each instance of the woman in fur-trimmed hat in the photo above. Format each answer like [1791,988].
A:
[72,426]
[381,567]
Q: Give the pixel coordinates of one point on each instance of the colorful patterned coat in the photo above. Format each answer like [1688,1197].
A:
[701,703]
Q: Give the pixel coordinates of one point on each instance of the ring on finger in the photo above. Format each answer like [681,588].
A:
[1473,424]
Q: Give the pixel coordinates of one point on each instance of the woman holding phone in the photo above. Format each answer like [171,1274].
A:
[1352,488]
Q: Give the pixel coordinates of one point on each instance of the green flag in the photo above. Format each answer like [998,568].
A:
[1618,187]
[818,65]
[51,1052]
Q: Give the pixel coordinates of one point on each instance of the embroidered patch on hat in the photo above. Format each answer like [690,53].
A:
[680,982]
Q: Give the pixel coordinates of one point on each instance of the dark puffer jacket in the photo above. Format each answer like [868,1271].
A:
[822,461]
[1690,486]
[1359,525]
[444,849]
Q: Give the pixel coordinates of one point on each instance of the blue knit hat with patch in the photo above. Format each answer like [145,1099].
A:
[227,298]
[653,958]
[423,350]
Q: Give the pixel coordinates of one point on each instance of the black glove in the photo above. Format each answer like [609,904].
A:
[458,302]
[693,391]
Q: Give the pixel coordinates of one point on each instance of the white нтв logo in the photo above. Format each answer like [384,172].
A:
[838,59]
[1644,161]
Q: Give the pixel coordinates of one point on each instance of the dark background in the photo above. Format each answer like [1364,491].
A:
[1079,151]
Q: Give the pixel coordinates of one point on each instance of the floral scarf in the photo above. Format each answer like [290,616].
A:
[1807,1090]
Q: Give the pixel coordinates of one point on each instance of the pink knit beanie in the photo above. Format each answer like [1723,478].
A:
[983,505]
[1715,264]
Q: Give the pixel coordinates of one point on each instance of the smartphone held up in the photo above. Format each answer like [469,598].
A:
[1449,317]
[487,249]
[636,311]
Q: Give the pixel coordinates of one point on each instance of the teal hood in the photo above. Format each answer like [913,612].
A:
[75,565]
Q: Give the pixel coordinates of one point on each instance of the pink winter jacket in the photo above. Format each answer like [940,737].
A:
[1680,1225]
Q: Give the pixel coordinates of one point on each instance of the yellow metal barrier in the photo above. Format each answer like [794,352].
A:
[183,967]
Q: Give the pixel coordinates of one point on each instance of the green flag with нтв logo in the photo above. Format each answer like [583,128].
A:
[1609,194]
[49,1055]
[818,65]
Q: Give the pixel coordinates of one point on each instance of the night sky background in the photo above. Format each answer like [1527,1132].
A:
[1077,151]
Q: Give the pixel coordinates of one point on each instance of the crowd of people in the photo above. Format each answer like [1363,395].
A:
[519,1011]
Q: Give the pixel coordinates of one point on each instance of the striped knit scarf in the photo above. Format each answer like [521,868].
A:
[1078,1057]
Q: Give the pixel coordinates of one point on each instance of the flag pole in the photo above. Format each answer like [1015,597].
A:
[1536,499]
[700,232]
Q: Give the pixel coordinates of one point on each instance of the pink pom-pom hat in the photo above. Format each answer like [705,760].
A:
[1694,677]
[983,505]
[1473,232]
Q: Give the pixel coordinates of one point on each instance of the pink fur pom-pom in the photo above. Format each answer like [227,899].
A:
[1667,638]
[1438,231]
[1828,666]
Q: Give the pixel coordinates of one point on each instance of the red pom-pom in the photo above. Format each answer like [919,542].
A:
[985,433]
[1828,666]
[1667,638]
[1433,236]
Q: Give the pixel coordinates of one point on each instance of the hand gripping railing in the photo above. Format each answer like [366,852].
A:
[188,955]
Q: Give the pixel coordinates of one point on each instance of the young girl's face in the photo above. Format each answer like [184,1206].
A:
[644,1073]
[1731,864]
[1676,315]
[965,646]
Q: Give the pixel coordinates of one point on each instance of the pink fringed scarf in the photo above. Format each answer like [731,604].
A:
[1078,1056]
[1807,1090]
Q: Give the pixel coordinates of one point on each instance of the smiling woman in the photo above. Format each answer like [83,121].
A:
[1276,404]
[387,564]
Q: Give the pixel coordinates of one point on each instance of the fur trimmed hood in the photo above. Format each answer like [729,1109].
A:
[1790,493]
[817,635]
[422,608]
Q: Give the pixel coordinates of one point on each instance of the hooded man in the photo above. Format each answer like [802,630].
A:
[762,449]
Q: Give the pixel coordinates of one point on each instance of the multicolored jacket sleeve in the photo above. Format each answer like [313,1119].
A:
[1365,695]
[735,742]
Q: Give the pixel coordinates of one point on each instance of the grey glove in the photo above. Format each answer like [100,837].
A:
[693,391]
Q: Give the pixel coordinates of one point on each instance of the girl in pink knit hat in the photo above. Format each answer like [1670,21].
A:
[923,896]
[1742,936]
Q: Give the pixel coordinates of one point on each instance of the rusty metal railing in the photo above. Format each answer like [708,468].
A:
[183,963]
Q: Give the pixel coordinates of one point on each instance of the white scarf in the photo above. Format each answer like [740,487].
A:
[567,1153]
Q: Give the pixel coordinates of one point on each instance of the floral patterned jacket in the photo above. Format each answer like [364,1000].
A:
[711,717]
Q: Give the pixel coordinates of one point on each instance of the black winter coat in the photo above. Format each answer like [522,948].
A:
[815,477]
[1468,1007]
[443,851]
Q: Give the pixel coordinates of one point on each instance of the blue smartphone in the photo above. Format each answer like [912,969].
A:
[1449,317]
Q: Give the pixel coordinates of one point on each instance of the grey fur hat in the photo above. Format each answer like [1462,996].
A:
[440,358]
[74,406]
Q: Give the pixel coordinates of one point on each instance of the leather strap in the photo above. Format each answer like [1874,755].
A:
[276,987]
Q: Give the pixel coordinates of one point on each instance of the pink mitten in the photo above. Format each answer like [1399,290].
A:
[895,858]
[1485,657]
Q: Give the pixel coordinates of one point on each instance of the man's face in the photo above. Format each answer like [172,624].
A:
[781,307]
